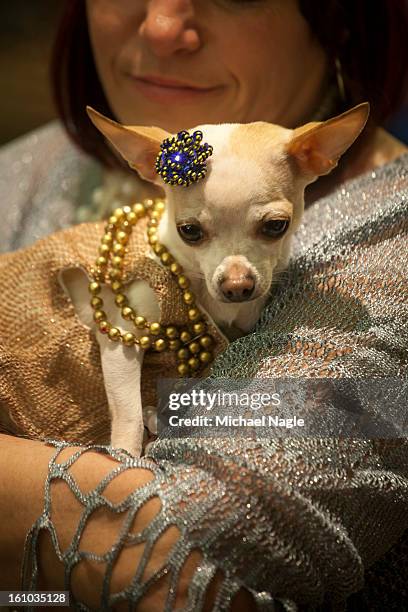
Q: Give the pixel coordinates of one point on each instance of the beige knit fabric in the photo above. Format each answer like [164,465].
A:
[51,381]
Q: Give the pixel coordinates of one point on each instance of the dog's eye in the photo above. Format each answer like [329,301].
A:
[190,232]
[274,228]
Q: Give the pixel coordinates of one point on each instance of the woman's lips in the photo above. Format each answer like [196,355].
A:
[163,90]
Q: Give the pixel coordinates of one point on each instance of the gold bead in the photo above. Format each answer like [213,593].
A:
[188,297]
[172,332]
[96,303]
[121,300]
[139,210]
[104,326]
[206,341]
[119,249]
[104,249]
[117,261]
[101,262]
[114,333]
[183,369]
[175,268]
[151,231]
[94,288]
[205,356]
[166,258]
[108,238]
[118,213]
[160,345]
[183,354]
[194,314]
[122,237]
[155,214]
[194,363]
[185,336]
[174,345]
[153,240]
[127,313]
[194,347]
[115,274]
[128,339]
[116,286]
[113,220]
[145,342]
[156,329]
[126,210]
[153,223]
[159,205]
[98,274]
[183,281]
[199,328]
[125,227]
[132,218]
[159,249]
[140,322]
[148,203]
[99,315]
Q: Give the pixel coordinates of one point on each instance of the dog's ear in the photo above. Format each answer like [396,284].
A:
[317,147]
[138,145]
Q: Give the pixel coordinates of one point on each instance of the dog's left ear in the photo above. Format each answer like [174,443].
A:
[317,147]
[138,145]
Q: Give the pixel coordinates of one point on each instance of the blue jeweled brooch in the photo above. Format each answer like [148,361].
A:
[182,158]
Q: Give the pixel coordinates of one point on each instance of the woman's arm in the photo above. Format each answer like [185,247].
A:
[280,518]
[24,467]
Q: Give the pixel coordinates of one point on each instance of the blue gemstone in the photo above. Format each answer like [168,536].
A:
[178,157]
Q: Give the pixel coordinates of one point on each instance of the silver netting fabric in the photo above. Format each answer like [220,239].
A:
[304,524]
[199,533]
[292,522]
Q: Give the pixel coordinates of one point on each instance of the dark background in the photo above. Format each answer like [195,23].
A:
[27,29]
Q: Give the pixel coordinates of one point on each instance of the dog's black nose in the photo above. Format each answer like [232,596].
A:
[238,289]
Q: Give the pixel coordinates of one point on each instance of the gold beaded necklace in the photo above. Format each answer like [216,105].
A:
[192,343]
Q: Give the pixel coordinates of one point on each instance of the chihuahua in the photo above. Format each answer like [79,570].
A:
[231,233]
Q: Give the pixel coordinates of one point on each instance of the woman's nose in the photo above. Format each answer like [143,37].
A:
[169,26]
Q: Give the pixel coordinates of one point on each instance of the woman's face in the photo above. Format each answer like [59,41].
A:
[181,63]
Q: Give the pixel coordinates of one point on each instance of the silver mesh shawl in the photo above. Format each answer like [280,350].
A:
[305,524]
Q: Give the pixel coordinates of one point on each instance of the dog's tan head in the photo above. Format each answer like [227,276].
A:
[234,227]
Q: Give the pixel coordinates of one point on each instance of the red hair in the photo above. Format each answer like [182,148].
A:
[370,39]
[75,83]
